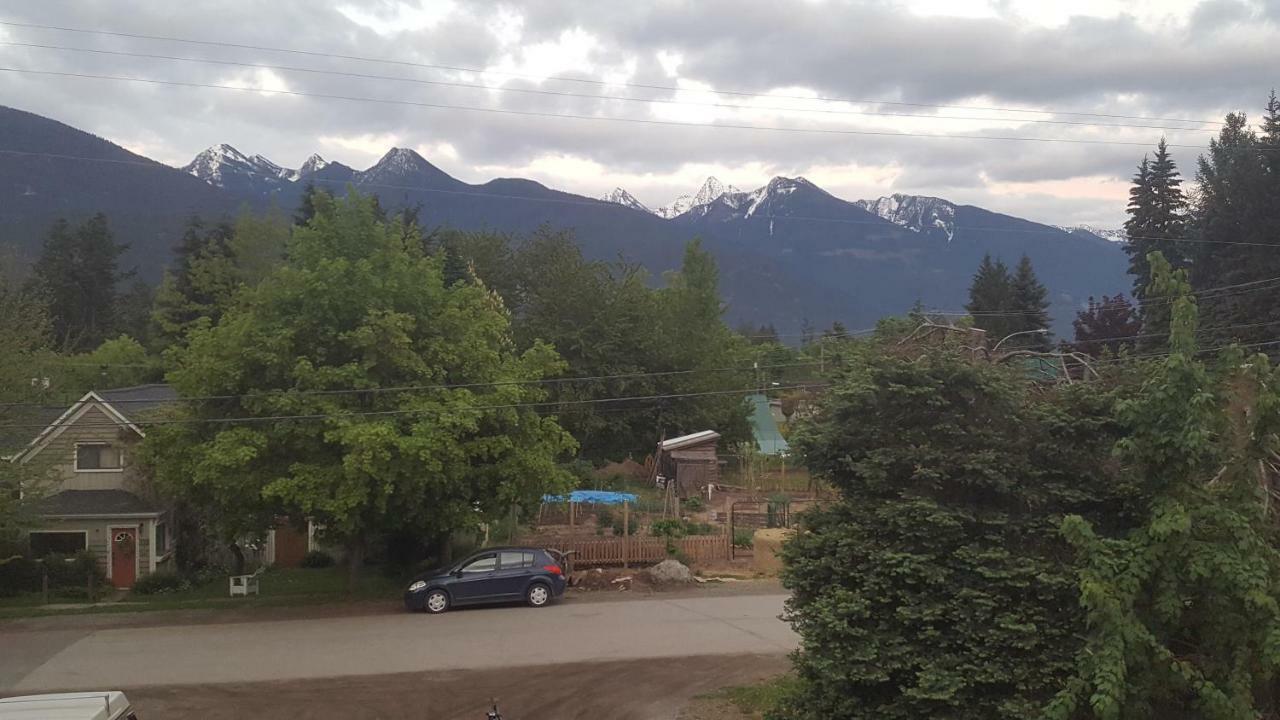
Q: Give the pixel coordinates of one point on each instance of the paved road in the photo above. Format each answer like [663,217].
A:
[380,644]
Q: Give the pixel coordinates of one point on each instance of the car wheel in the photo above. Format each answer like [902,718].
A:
[538,595]
[437,601]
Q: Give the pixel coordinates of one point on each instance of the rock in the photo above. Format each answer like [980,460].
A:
[670,572]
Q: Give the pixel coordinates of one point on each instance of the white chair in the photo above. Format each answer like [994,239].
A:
[246,584]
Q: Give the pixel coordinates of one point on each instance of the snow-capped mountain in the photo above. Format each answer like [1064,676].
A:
[402,167]
[710,191]
[624,198]
[225,167]
[1115,235]
[915,212]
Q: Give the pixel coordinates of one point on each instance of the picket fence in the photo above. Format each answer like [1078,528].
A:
[598,552]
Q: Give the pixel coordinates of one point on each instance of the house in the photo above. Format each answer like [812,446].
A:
[690,461]
[98,499]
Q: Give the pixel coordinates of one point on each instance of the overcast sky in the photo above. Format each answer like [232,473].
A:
[804,66]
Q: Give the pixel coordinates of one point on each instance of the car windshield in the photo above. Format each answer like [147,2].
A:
[868,359]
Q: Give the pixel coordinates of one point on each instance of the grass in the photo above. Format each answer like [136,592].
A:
[277,587]
[759,699]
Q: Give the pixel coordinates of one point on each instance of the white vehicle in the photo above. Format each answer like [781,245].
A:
[108,705]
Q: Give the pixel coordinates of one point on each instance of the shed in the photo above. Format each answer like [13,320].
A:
[690,461]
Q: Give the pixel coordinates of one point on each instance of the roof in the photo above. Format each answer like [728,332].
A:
[685,441]
[106,705]
[768,438]
[90,503]
[120,404]
[131,401]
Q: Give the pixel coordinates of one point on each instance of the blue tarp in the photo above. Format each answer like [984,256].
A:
[768,438]
[602,497]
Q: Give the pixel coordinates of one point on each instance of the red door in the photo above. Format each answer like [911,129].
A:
[124,557]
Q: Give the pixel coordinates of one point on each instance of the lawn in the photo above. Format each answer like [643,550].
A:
[276,587]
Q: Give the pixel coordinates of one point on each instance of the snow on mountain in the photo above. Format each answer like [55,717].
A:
[622,197]
[222,165]
[1115,235]
[710,191]
[405,166]
[914,212]
[312,164]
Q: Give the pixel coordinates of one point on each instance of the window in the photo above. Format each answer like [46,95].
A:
[516,560]
[98,456]
[488,563]
[162,539]
[66,543]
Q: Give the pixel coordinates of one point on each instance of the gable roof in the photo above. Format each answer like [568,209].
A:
[135,400]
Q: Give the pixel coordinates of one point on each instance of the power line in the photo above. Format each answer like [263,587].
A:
[561,93]
[584,201]
[588,81]
[432,411]
[284,394]
[1200,295]
[593,118]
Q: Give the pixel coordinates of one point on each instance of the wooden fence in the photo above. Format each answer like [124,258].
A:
[636,550]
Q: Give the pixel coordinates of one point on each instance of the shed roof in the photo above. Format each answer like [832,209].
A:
[131,401]
[685,441]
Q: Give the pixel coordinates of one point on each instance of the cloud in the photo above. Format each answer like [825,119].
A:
[1161,60]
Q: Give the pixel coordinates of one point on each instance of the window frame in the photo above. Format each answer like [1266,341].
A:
[527,560]
[84,533]
[76,458]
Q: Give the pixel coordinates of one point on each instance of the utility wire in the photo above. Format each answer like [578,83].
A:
[284,394]
[583,201]
[593,118]
[587,81]
[591,96]
[437,412]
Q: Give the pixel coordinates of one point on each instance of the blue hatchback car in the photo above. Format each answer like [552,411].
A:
[493,575]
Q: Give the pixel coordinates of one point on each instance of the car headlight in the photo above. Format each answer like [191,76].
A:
[417,586]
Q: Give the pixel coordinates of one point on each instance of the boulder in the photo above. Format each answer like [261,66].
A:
[670,572]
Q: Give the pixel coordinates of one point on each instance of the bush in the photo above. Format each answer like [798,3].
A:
[694,504]
[161,583]
[671,527]
[317,559]
[743,538]
[604,517]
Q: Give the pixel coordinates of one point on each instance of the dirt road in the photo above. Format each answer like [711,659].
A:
[619,690]
[403,665]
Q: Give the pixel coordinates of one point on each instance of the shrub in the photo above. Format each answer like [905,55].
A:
[671,527]
[694,504]
[743,538]
[604,517]
[317,559]
[161,583]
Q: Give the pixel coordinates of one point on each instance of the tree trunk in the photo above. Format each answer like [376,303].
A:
[355,561]
[239,557]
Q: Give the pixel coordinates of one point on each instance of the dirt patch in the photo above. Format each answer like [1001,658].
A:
[626,690]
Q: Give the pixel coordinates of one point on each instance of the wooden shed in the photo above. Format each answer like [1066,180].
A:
[690,462]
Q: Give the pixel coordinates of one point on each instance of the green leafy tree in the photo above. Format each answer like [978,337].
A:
[200,284]
[935,585]
[1182,611]
[356,308]
[77,273]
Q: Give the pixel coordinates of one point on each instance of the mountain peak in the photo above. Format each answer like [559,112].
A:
[622,197]
[312,164]
[918,213]
[712,189]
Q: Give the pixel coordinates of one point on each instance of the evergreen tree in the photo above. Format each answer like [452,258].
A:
[77,273]
[1157,221]
[201,283]
[307,208]
[135,307]
[990,298]
[1235,217]
[1109,325]
[1030,308]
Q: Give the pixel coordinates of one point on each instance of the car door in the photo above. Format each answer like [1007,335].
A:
[476,580]
[514,567]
